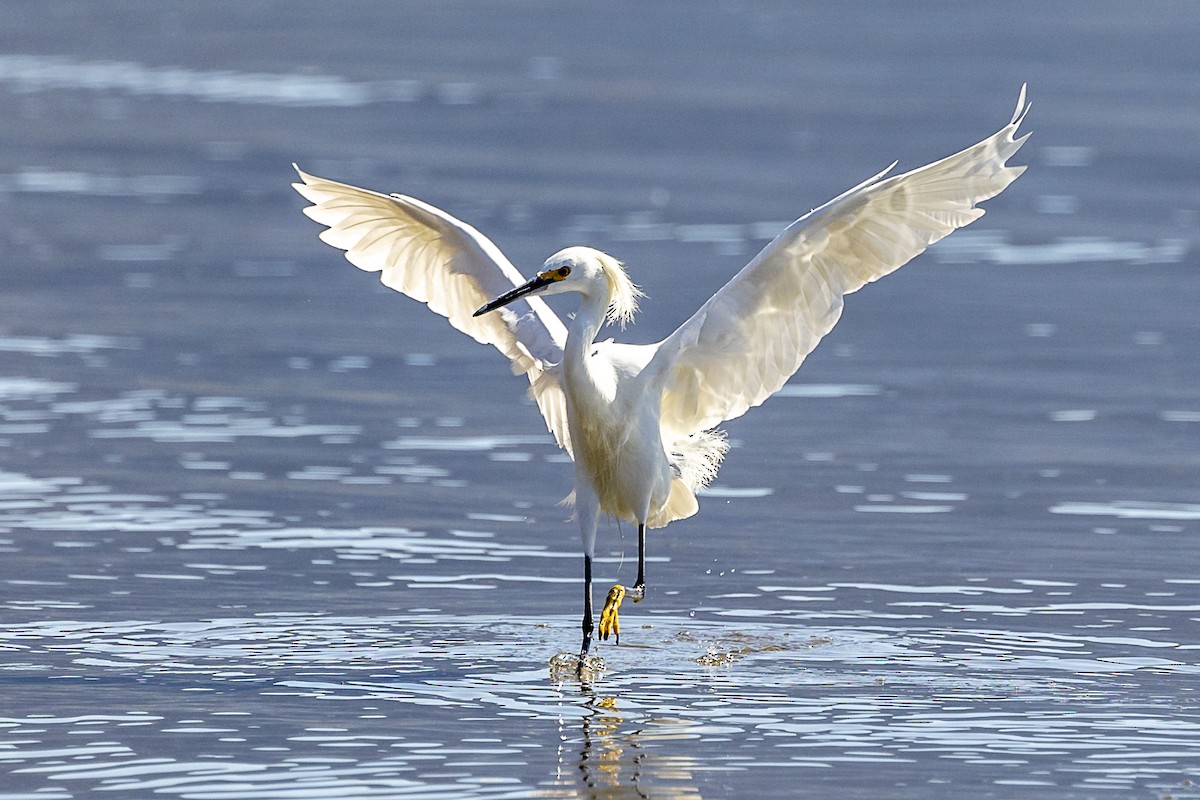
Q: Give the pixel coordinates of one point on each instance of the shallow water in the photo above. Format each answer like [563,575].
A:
[1031,683]
[269,531]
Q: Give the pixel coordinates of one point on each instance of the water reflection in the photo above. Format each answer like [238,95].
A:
[78,344]
[1132,510]
[614,757]
[994,247]
[35,73]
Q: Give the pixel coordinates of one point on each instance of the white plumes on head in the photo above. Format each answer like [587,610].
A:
[623,301]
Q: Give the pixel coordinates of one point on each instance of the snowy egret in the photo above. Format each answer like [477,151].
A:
[640,421]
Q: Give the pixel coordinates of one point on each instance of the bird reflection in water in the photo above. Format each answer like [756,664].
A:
[608,759]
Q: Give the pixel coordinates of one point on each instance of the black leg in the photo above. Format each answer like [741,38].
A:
[587,609]
[639,588]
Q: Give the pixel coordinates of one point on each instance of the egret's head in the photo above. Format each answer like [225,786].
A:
[584,270]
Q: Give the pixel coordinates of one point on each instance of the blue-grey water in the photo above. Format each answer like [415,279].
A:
[270,531]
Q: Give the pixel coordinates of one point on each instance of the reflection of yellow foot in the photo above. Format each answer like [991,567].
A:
[610,624]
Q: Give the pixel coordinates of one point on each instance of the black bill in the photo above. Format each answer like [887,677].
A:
[531,285]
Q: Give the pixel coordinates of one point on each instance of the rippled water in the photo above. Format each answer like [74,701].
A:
[182,646]
[781,678]
[268,531]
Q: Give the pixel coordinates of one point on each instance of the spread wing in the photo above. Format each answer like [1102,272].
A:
[752,335]
[441,261]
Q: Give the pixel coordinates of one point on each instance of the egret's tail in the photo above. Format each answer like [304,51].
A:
[695,460]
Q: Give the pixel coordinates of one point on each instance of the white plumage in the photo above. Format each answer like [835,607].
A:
[639,420]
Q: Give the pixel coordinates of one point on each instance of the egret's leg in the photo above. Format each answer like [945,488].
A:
[587,508]
[587,609]
[639,588]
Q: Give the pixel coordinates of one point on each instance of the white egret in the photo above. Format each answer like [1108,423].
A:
[640,421]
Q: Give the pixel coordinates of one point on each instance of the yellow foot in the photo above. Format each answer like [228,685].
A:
[610,624]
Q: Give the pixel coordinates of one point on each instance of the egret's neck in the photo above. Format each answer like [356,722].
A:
[582,331]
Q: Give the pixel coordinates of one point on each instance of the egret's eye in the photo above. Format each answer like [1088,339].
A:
[564,272]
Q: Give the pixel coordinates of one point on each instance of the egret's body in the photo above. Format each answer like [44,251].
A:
[640,420]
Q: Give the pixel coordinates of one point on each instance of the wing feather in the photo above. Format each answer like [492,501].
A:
[753,334]
[431,256]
